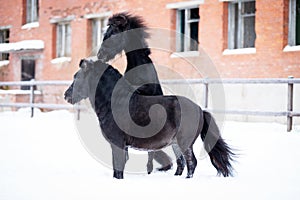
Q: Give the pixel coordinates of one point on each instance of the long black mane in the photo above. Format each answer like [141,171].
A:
[138,23]
[133,21]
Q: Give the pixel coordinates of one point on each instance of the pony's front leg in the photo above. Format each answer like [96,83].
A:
[150,162]
[119,160]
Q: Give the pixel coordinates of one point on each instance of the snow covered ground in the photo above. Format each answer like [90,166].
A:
[43,158]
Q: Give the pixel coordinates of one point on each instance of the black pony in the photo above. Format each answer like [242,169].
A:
[129,33]
[176,120]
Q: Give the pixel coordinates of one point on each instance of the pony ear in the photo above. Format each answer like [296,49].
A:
[121,20]
[86,64]
[82,64]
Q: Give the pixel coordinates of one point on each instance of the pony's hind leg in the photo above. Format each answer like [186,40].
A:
[191,162]
[126,154]
[163,159]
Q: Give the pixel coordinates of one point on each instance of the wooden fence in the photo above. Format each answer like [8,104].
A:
[289,112]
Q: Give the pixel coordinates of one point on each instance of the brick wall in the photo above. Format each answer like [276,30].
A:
[271,26]
[269,61]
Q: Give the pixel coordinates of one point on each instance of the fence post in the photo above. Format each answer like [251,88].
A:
[205,94]
[31,99]
[290,105]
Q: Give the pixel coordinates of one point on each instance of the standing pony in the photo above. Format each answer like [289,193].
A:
[176,121]
[128,33]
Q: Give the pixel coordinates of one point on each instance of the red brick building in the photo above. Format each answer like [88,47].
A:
[244,38]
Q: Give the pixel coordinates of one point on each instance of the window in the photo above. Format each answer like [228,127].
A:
[294,23]
[187,23]
[32,10]
[4,38]
[63,39]
[241,24]
[98,29]
[27,72]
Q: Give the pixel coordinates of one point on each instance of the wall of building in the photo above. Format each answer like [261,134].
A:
[269,60]
[271,29]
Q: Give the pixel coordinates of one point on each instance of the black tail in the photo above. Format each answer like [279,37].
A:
[219,152]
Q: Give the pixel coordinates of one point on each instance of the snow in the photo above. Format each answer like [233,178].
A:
[289,48]
[31,25]
[18,92]
[22,45]
[43,158]
[239,51]
[61,60]
[4,63]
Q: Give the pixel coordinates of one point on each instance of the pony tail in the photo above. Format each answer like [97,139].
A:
[218,150]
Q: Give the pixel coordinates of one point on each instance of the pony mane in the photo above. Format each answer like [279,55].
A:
[109,71]
[134,22]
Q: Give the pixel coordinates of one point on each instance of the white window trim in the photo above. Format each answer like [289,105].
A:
[185,4]
[22,45]
[4,63]
[239,51]
[56,20]
[60,60]
[30,25]
[5,27]
[98,15]
[289,48]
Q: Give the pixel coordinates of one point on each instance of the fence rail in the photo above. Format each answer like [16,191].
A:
[289,113]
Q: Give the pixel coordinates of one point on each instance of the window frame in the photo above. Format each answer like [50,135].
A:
[236,34]
[32,11]
[185,36]
[98,29]
[292,23]
[63,39]
[4,56]
[28,68]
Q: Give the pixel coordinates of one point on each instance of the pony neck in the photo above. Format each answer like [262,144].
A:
[137,58]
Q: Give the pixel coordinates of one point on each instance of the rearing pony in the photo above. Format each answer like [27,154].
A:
[129,33]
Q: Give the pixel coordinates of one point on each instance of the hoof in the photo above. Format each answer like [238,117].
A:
[149,168]
[166,168]
[118,174]
[189,176]
[178,172]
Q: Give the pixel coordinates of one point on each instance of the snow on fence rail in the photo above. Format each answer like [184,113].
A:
[289,113]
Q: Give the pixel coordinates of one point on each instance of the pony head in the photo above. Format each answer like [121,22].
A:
[80,87]
[124,32]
